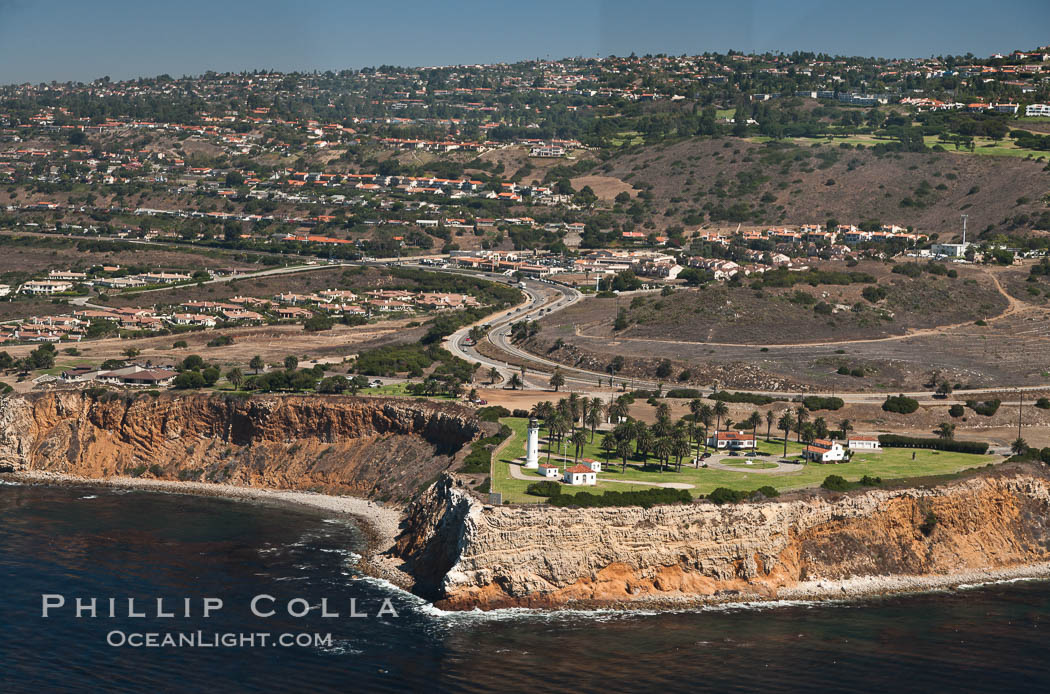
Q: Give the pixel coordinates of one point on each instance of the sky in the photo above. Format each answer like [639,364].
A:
[82,40]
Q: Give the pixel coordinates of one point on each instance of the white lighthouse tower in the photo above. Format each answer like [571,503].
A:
[532,446]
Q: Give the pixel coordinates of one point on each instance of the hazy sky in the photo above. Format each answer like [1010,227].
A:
[84,39]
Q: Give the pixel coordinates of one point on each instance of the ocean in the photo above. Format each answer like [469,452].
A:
[84,542]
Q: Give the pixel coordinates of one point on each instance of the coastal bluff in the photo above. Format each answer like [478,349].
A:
[464,554]
[381,448]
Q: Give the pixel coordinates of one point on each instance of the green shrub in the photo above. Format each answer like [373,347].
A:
[751,398]
[1043,403]
[900,404]
[956,410]
[545,488]
[492,413]
[814,402]
[646,498]
[986,408]
[836,483]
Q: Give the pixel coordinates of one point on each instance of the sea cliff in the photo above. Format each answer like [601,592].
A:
[464,554]
[383,448]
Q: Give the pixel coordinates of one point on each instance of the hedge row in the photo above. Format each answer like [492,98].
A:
[645,499]
[813,402]
[752,398]
[898,441]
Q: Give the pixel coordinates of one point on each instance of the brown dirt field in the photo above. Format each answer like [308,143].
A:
[605,187]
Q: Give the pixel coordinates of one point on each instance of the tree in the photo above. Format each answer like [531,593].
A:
[332,385]
[770,418]
[493,375]
[682,449]
[193,362]
[1019,446]
[608,446]
[944,389]
[210,375]
[786,423]
[578,440]
[643,440]
[617,411]
[801,416]
[131,352]
[235,377]
[623,450]
[845,427]
[946,430]
[515,382]
[291,362]
[557,379]
[594,415]
[663,447]
[256,364]
[753,421]
[356,383]
[556,427]
[720,410]
[188,380]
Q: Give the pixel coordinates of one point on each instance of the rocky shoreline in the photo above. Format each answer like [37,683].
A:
[379,523]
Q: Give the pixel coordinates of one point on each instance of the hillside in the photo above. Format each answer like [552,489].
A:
[795,315]
[728,181]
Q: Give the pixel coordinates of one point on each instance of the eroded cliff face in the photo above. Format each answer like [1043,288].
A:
[384,448]
[464,554]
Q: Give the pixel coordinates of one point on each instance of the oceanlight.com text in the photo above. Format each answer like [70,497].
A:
[211,639]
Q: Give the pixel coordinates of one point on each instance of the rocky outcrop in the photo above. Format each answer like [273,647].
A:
[384,448]
[467,555]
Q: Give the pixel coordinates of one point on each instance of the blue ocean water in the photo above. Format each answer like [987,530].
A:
[96,542]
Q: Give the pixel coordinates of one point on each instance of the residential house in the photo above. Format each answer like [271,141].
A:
[581,475]
[732,440]
[824,451]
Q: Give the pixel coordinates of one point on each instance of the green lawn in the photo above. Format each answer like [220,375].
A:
[893,463]
[399,389]
[756,464]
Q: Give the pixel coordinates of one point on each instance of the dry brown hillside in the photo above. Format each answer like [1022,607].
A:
[796,184]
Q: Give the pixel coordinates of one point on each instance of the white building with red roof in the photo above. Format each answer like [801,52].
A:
[732,440]
[824,451]
[581,475]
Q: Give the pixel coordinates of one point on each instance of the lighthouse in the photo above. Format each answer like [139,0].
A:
[532,446]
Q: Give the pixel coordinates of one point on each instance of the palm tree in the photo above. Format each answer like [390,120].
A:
[845,427]
[680,447]
[542,410]
[594,415]
[515,382]
[801,416]
[557,379]
[663,447]
[578,440]
[753,421]
[617,411]
[555,427]
[256,364]
[946,430]
[608,446]
[623,451]
[820,427]
[574,408]
[786,424]
[706,413]
[493,375]
[770,418]
[720,410]
[1019,446]
[644,441]
[663,411]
